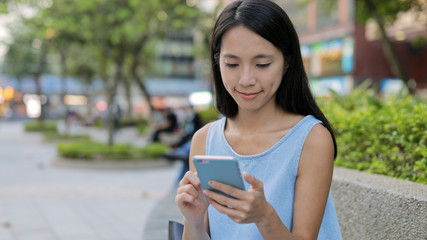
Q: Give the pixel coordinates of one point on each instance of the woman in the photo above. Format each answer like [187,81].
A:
[272,125]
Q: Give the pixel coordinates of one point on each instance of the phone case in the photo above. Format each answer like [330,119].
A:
[223,169]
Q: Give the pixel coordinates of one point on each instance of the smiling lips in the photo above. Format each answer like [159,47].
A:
[248,96]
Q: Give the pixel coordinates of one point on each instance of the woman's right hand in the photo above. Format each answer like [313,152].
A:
[190,199]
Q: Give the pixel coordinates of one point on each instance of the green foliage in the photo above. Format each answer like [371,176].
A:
[55,136]
[41,126]
[89,150]
[20,51]
[384,136]
[143,127]
[388,10]
[154,150]
[208,115]
[141,124]
[132,121]
[95,150]
[120,151]
[78,150]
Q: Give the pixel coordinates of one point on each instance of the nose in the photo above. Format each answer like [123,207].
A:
[247,77]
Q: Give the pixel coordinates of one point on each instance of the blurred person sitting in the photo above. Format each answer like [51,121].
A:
[168,125]
[192,124]
[181,150]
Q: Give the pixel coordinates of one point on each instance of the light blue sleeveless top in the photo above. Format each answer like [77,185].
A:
[277,168]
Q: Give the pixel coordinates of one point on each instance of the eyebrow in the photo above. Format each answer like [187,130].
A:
[256,57]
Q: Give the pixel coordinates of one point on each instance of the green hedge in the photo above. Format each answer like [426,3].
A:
[133,121]
[208,115]
[55,136]
[94,150]
[39,126]
[154,150]
[378,135]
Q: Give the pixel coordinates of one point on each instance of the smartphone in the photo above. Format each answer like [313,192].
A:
[224,169]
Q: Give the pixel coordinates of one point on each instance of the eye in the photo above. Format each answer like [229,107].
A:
[263,65]
[231,65]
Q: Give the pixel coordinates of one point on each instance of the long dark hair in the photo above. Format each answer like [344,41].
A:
[272,23]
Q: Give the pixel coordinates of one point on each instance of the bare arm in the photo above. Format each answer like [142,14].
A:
[313,182]
[190,194]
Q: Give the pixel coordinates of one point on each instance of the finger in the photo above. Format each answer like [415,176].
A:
[185,198]
[229,211]
[255,183]
[189,189]
[221,199]
[225,188]
[191,177]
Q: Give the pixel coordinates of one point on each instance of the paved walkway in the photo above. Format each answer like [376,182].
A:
[39,201]
[165,210]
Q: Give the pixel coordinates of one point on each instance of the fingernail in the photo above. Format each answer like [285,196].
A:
[212,183]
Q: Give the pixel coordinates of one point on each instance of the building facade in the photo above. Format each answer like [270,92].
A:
[176,72]
[340,53]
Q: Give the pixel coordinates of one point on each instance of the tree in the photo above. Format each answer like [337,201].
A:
[117,31]
[20,58]
[385,13]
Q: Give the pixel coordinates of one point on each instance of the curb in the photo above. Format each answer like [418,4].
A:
[372,206]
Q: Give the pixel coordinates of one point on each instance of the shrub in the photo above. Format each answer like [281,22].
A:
[95,150]
[208,115]
[132,121]
[143,127]
[55,136]
[41,126]
[154,150]
[78,150]
[384,136]
[120,151]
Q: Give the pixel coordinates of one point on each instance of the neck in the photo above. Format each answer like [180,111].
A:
[255,121]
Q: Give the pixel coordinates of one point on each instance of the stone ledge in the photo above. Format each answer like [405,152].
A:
[371,206]
[111,164]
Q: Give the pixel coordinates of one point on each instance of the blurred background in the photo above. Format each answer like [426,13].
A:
[94,77]
[86,56]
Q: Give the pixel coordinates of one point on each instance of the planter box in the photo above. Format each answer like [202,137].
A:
[373,206]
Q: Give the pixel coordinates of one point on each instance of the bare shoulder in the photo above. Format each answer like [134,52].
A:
[198,143]
[199,138]
[319,134]
[318,150]
[313,182]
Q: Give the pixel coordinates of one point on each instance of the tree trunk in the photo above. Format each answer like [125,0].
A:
[37,77]
[63,57]
[395,64]
[89,104]
[112,94]
[134,70]
[128,92]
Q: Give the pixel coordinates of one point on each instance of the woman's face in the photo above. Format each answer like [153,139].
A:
[251,68]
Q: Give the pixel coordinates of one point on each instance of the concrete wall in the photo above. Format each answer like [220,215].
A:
[371,206]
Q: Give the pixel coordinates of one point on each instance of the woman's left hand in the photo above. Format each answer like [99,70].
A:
[248,207]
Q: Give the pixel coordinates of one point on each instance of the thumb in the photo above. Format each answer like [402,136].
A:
[255,183]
